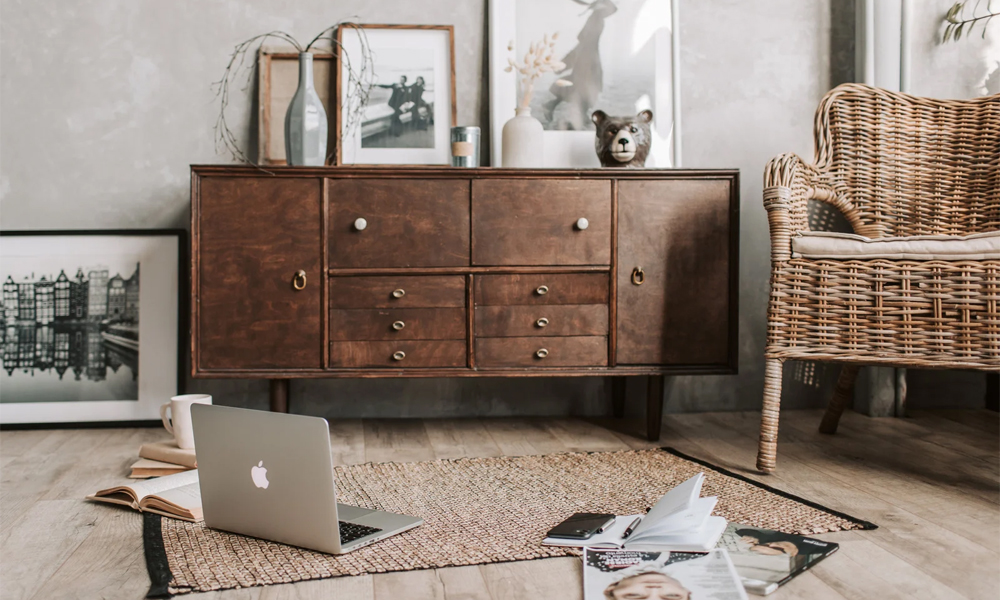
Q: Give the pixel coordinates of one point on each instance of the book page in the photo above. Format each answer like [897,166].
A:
[691,520]
[677,499]
[153,487]
[188,496]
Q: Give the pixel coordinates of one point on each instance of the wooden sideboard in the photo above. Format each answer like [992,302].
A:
[447,272]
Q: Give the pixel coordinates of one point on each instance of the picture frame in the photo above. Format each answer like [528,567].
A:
[277,80]
[86,340]
[405,121]
[645,30]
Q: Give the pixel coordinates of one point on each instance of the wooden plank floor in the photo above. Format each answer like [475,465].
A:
[931,482]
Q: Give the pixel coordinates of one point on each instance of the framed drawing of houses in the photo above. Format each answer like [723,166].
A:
[620,57]
[90,323]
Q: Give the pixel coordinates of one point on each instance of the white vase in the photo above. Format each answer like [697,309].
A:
[522,141]
[305,121]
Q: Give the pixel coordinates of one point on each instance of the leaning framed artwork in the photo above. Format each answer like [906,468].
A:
[619,56]
[407,115]
[91,324]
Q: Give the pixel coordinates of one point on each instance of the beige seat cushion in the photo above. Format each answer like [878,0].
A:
[847,246]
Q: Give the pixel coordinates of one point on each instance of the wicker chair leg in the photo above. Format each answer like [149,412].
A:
[842,394]
[768,445]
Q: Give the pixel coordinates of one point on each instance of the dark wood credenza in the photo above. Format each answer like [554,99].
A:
[447,272]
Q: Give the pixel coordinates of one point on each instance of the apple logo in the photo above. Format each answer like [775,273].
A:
[259,475]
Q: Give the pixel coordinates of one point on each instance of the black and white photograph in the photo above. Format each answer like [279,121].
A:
[90,325]
[409,105]
[400,111]
[71,331]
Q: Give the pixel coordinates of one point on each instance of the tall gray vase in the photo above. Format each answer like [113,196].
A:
[305,121]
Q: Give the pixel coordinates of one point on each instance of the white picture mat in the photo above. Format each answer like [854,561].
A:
[439,42]
[575,149]
[158,306]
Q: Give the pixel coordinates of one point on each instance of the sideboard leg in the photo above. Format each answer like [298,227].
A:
[654,407]
[993,391]
[279,395]
[618,397]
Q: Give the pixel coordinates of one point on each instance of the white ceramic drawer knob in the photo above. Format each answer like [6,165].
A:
[582,223]
[361,223]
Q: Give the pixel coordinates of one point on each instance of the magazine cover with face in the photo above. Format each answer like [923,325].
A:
[634,575]
[766,559]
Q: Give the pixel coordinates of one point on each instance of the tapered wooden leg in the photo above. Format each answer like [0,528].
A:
[654,407]
[842,394]
[767,448]
[279,395]
[618,397]
[993,391]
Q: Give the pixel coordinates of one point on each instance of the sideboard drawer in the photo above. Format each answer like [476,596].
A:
[408,291]
[541,222]
[551,320]
[542,288]
[398,223]
[584,351]
[402,354]
[397,324]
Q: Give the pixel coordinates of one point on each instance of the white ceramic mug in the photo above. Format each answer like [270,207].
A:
[179,421]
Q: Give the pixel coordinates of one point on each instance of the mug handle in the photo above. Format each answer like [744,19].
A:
[166,421]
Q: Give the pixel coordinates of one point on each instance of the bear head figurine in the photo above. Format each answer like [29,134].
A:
[622,141]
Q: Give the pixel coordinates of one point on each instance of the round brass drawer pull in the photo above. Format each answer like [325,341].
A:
[360,223]
[299,280]
[542,290]
[541,353]
[542,322]
[398,293]
[638,276]
[398,325]
[398,355]
[582,223]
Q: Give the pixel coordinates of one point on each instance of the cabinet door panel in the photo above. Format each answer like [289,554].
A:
[678,233]
[254,234]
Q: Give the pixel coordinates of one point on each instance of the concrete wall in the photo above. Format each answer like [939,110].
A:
[104,105]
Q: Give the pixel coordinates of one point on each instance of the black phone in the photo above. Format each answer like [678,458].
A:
[581,526]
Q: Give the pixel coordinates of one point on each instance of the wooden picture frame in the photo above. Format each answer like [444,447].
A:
[70,358]
[352,148]
[277,80]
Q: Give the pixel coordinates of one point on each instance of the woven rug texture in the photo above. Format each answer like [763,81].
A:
[480,510]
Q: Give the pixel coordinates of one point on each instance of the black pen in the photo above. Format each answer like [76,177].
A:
[631,528]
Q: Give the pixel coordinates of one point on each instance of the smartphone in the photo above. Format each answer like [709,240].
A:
[581,526]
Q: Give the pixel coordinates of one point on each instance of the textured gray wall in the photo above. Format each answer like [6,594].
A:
[104,105]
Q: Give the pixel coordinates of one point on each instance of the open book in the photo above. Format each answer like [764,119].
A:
[177,496]
[681,520]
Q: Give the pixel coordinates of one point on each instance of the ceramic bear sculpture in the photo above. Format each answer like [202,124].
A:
[622,141]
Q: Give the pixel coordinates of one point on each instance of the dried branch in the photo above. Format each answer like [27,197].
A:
[539,59]
[959,23]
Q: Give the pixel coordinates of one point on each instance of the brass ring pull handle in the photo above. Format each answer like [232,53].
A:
[398,293]
[398,355]
[542,290]
[541,353]
[541,322]
[299,280]
[638,276]
[398,325]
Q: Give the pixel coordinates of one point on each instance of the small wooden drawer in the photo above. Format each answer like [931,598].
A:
[542,288]
[553,320]
[397,324]
[400,355]
[584,351]
[410,291]
[398,223]
[541,222]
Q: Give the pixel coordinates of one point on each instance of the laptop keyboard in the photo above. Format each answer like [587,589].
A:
[352,531]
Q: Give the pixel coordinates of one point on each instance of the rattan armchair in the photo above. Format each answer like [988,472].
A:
[896,166]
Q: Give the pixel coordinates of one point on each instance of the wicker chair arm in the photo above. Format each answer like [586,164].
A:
[789,184]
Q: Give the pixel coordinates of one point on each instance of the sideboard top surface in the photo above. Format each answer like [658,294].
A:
[441,171]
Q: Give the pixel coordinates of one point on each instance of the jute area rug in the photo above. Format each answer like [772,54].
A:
[475,511]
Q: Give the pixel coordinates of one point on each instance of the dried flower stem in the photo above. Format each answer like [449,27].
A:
[539,59]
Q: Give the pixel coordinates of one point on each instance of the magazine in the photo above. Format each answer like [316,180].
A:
[767,559]
[622,574]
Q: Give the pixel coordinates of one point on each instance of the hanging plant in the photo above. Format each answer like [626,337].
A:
[359,69]
[959,24]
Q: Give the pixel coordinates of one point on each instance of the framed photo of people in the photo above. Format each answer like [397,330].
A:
[410,109]
[619,56]
[90,324]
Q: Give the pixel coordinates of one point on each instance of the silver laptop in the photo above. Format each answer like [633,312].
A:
[270,475]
